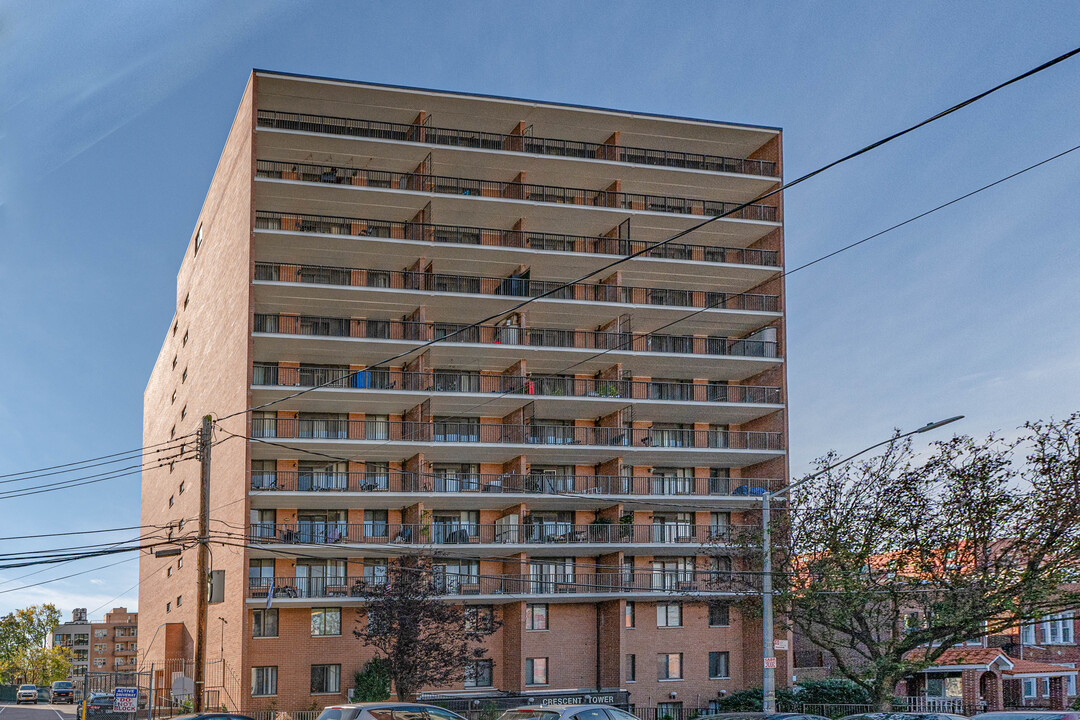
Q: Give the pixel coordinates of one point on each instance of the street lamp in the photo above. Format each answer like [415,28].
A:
[769,678]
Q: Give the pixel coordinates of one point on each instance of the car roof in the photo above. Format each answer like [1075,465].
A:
[387,704]
[559,708]
[211,714]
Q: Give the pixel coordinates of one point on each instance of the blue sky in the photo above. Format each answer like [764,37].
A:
[112,116]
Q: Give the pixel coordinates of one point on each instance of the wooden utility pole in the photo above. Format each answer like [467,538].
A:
[201,562]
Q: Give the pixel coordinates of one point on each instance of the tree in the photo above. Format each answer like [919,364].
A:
[372,682]
[425,640]
[887,563]
[24,635]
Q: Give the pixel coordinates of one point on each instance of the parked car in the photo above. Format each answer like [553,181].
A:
[386,711]
[98,704]
[44,693]
[27,694]
[905,716]
[62,691]
[1032,714]
[213,716]
[761,716]
[566,712]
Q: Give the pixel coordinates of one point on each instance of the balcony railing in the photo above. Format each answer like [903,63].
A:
[512,287]
[459,584]
[444,381]
[445,185]
[545,242]
[478,139]
[455,533]
[397,481]
[526,434]
[318,326]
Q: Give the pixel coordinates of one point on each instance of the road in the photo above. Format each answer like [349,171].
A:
[41,711]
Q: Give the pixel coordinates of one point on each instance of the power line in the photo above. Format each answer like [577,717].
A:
[89,460]
[687,231]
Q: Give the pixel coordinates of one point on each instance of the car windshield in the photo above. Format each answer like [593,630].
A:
[61,685]
[523,714]
[28,687]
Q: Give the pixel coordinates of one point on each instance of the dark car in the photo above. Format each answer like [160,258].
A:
[43,693]
[213,716]
[98,704]
[905,716]
[62,691]
[1028,715]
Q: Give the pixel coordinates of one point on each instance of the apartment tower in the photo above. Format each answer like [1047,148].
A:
[578,466]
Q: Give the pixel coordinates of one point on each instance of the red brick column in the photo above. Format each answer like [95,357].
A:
[969,680]
[1057,693]
[994,692]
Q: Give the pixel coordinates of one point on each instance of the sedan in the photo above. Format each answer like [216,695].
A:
[905,716]
[99,704]
[387,711]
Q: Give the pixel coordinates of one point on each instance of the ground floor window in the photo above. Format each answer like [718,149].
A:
[669,711]
[536,671]
[264,680]
[325,679]
[478,674]
[1029,688]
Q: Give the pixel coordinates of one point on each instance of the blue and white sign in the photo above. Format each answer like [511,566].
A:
[125,699]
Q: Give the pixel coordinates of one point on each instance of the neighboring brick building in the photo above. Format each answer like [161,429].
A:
[108,646]
[578,466]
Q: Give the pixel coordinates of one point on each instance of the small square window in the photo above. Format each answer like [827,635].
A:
[325,679]
[179,562]
[168,571]
[631,667]
[183,412]
[668,615]
[628,615]
[172,499]
[173,400]
[168,607]
[175,327]
[179,600]
[184,341]
[669,666]
[198,240]
[183,378]
[172,466]
[172,433]
[536,616]
[181,487]
[719,665]
[719,616]
[325,621]
[175,359]
[264,623]
[186,298]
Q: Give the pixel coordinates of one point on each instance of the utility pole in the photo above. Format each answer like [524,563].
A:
[201,562]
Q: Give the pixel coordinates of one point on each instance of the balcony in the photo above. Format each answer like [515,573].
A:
[475,433]
[480,140]
[386,391]
[470,534]
[495,586]
[513,239]
[446,381]
[579,487]
[516,287]
[505,335]
[495,189]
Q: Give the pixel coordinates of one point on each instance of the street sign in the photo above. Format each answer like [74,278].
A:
[125,699]
[770,663]
[780,645]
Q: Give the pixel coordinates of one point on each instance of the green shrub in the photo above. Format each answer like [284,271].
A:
[372,682]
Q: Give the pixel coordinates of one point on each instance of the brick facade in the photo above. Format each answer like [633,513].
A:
[331,240]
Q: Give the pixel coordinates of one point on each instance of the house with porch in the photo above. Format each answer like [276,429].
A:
[987,679]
